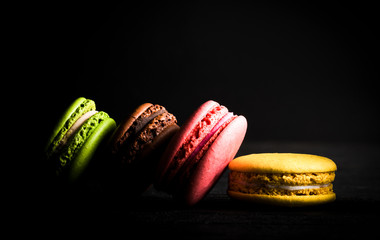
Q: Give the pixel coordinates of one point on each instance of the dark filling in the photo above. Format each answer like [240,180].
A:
[147,116]
[134,131]
[150,132]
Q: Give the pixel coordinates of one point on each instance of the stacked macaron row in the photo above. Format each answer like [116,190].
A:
[148,147]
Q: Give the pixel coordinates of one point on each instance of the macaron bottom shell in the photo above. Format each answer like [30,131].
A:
[281,200]
[127,184]
[89,148]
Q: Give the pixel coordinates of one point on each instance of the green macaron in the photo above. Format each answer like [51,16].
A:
[76,138]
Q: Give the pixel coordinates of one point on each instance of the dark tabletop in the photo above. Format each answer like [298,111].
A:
[219,217]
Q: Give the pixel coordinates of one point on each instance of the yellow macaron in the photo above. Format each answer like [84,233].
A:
[287,179]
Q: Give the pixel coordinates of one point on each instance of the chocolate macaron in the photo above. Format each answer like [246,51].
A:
[137,145]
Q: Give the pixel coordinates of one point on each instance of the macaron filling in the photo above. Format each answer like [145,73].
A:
[146,117]
[138,124]
[147,135]
[295,188]
[74,128]
[282,184]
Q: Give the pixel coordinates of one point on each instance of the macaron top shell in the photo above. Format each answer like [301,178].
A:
[282,163]
[77,109]
[66,115]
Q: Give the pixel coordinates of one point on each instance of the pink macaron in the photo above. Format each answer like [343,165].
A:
[200,151]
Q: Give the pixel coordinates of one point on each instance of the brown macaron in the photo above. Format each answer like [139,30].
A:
[137,145]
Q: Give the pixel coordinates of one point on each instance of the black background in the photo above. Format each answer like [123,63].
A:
[297,71]
[303,74]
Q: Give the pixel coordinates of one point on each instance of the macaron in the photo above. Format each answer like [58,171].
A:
[136,146]
[286,179]
[199,152]
[76,137]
